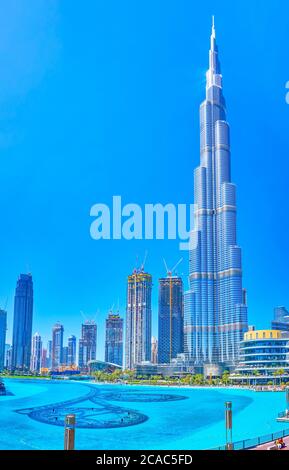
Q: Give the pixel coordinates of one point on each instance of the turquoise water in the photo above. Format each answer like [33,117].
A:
[131,417]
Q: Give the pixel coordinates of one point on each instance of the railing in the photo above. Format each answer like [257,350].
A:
[256,441]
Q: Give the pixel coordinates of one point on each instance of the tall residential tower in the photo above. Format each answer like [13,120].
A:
[215,312]
[114,339]
[36,354]
[71,359]
[281,319]
[22,323]
[171,320]
[87,343]
[138,318]
[3,328]
[57,345]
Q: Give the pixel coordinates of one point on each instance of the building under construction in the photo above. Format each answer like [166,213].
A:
[138,318]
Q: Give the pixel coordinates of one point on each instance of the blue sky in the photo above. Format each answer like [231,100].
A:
[102,99]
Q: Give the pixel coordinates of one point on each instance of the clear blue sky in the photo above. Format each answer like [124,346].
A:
[101,98]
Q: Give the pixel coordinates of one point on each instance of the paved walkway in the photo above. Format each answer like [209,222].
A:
[268,444]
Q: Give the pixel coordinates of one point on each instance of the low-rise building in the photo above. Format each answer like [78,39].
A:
[264,357]
[178,367]
[102,366]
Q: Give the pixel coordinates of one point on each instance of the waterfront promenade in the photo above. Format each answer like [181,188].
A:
[270,444]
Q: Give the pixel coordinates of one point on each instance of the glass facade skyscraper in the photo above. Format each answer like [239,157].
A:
[154,355]
[8,356]
[71,359]
[3,328]
[22,323]
[281,319]
[36,354]
[138,319]
[281,314]
[87,343]
[114,339]
[44,364]
[171,320]
[49,354]
[215,313]
[57,345]
[64,356]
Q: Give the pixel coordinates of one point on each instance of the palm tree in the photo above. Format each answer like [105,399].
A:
[225,377]
[256,373]
[279,373]
[198,379]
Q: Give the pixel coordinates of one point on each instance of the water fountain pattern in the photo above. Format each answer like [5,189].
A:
[98,412]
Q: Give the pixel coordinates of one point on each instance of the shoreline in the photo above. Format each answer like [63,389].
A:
[218,387]
[264,388]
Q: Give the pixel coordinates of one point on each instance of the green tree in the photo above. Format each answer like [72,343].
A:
[226,377]
[198,379]
[279,373]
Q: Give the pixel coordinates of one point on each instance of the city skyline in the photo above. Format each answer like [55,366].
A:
[173,340]
[73,273]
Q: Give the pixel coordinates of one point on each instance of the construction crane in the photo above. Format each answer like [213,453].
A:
[170,272]
[144,262]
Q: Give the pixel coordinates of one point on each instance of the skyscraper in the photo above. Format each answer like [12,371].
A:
[57,345]
[64,361]
[138,318]
[8,356]
[171,320]
[154,355]
[22,323]
[281,314]
[36,354]
[3,328]
[71,359]
[281,319]
[87,343]
[44,364]
[114,339]
[49,354]
[217,317]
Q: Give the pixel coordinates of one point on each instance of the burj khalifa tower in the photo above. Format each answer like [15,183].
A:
[215,305]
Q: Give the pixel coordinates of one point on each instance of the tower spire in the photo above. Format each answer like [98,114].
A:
[214,73]
[213,35]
